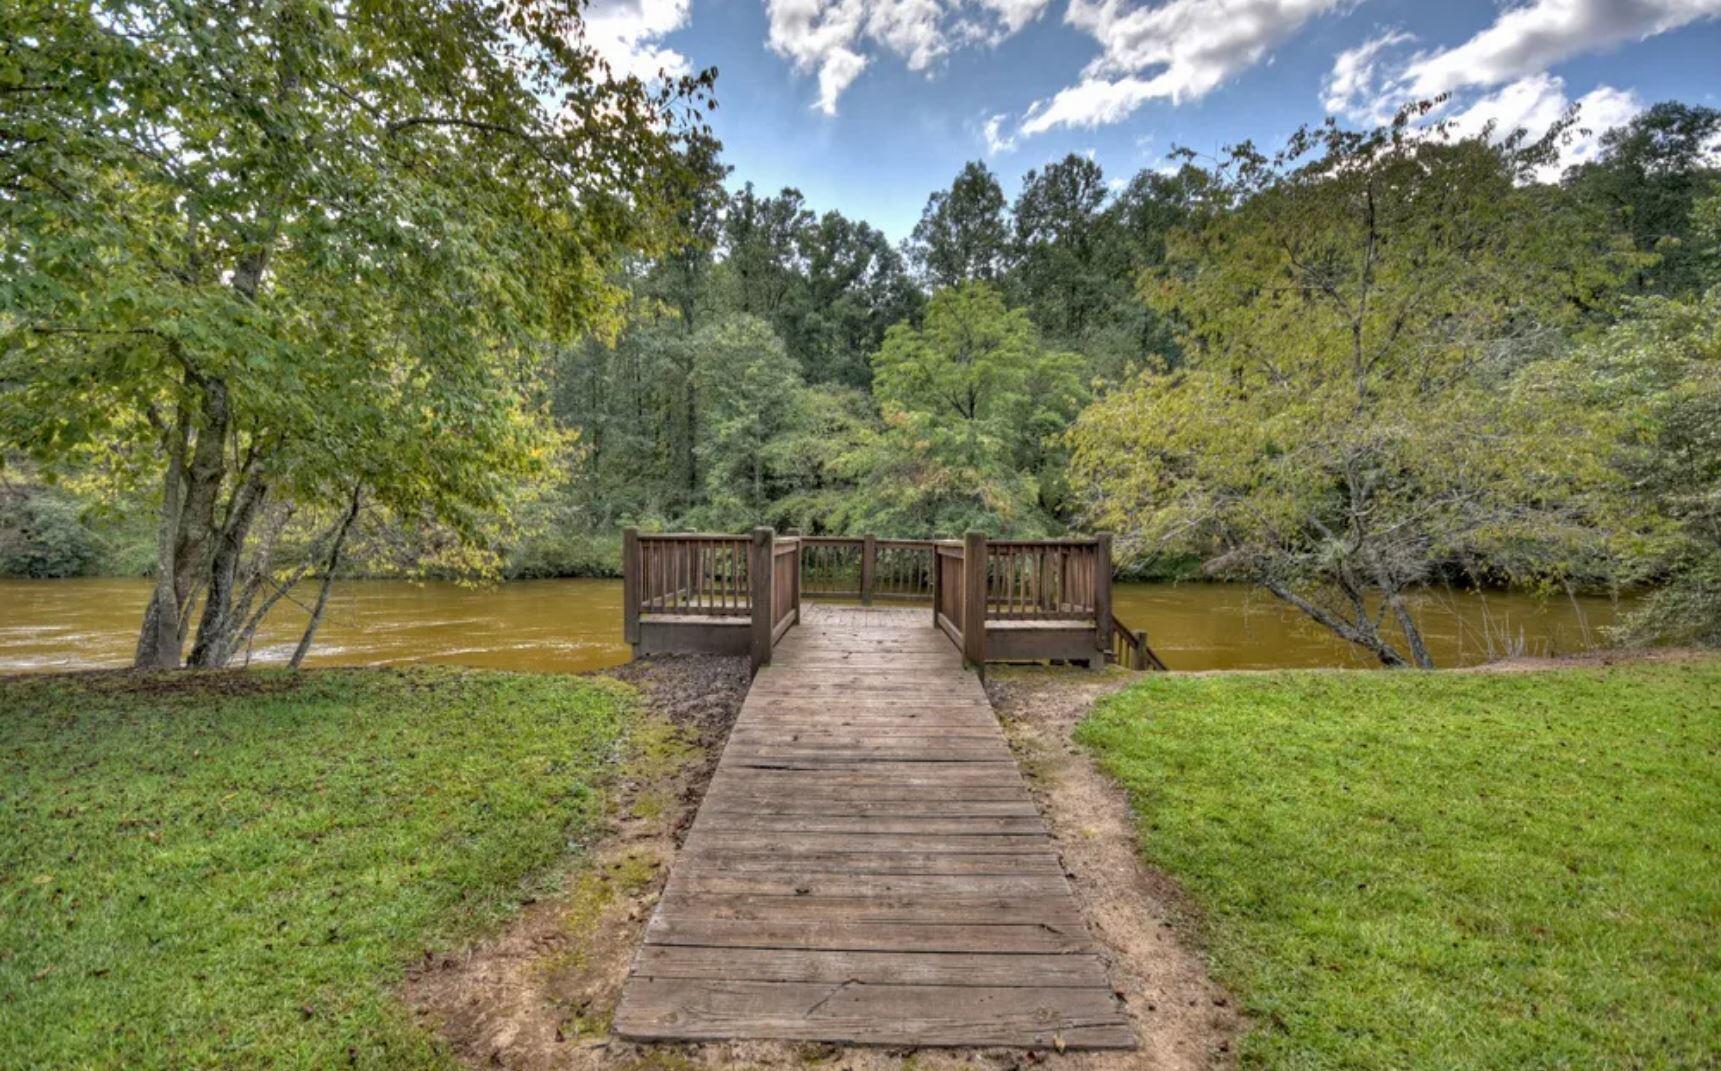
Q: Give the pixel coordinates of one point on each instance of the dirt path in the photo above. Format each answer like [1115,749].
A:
[539,995]
[1141,917]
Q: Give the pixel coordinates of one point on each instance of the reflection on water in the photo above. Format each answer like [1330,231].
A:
[1235,626]
[574,625]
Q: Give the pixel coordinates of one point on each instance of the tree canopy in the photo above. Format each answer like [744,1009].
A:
[302,248]
[1361,410]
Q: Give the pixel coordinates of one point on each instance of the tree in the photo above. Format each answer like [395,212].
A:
[1661,365]
[1068,259]
[1651,173]
[857,286]
[288,249]
[962,235]
[972,404]
[1367,333]
[1134,333]
[750,388]
[762,240]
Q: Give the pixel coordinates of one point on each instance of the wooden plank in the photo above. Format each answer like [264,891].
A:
[900,968]
[1057,910]
[862,805]
[697,879]
[858,1013]
[1014,844]
[858,863]
[668,928]
[960,825]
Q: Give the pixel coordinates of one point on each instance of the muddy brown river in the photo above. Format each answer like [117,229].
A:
[574,625]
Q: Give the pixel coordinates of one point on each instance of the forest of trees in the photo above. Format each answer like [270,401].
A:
[796,369]
[413,323]
[1357,365]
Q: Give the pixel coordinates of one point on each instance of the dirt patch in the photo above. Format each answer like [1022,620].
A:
[540,993]
[1139,915]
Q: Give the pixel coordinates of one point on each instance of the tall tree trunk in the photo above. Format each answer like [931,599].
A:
[219,626]
[200,491]
[1412,634]
[158,638]
[334,562]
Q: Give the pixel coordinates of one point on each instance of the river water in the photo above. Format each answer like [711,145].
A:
[575,625]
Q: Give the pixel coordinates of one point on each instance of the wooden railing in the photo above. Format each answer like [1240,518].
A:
[709,583]
[1130,650]
[867,568]
[950,590]
[785,586]
[691,574]
[1041,579]
[1045,598]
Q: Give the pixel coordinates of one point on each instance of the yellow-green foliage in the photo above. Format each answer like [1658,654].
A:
[1366,400]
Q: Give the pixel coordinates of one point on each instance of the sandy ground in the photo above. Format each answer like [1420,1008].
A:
[1139,915]
[539,994]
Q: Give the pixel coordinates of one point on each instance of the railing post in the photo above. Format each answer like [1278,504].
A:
[1140,649]
[795,587]
[630,585]
[1102,594]
[760,565]
[937,572]
[869,567]
[974,598]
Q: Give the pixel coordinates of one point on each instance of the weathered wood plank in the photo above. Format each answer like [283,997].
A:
[979,843]
[878,968]
[696,879]
[1039,937]
[958,825]
[864,806]
[1057,909]
[861,863]
[860,1013]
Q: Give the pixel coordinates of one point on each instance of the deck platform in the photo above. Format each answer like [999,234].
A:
[868,867]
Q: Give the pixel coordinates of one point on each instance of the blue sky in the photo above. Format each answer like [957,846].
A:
[867,106]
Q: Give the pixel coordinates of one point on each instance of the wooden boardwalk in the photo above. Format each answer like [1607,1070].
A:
[868,867]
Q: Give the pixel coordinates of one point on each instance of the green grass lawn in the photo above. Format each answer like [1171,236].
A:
[232,871]
[1407,870]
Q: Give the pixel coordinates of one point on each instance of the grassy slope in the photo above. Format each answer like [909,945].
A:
[1404,870]
[232,871]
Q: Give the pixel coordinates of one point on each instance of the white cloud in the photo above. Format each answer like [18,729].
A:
[835,38]
[1536,103]
[996,140]
[1352,87]
[1180,50]
[1014,14]
[1508,61]
[1530,38]
[627,33]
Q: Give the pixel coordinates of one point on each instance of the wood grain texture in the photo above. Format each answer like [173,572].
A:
[868,867]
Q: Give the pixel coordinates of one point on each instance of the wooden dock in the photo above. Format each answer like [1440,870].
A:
[868,867]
